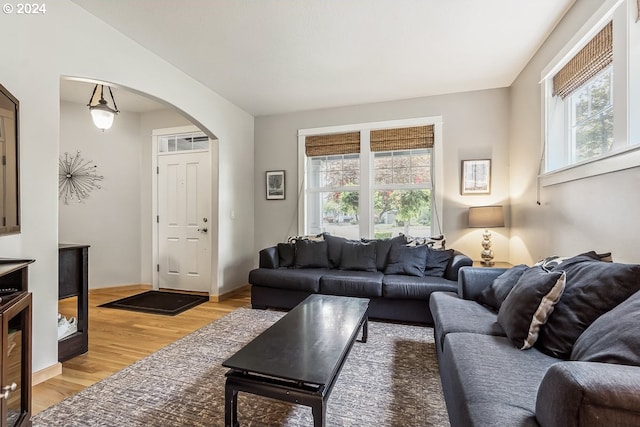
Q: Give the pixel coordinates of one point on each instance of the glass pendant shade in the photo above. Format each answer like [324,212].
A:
[101,113]
[102,117]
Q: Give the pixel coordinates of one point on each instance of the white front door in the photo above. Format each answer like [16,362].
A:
[184,212]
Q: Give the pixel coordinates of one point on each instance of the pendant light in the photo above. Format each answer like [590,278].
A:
[101,113]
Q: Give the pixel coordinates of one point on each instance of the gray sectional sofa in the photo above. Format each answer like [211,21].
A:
[396,276]
[583,369]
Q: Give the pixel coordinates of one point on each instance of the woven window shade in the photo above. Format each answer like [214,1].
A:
[593,58]
[402,138]
[328,145]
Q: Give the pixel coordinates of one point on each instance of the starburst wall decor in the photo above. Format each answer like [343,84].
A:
[77,178]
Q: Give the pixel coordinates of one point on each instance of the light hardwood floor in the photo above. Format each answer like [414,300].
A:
[117,338]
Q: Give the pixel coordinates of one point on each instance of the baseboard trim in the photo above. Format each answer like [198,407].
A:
[120,288]
[230,294]
[47,373]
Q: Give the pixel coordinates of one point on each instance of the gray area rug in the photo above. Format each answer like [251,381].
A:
[392,380]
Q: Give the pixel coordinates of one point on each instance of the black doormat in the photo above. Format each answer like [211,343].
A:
[158,302]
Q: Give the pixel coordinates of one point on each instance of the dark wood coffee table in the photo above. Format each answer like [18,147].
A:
[298,358]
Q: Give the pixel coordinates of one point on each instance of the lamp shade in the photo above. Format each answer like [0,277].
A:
[486,216]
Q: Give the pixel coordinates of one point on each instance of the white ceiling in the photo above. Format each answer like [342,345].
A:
[276,56]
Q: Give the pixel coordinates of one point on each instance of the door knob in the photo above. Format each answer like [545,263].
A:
[204,230]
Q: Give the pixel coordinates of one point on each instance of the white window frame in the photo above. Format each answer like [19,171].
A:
[625,153]
[366,168]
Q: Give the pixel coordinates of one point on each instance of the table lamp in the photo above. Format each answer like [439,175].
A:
[485,217]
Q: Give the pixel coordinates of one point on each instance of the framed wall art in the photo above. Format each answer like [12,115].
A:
[476,177]
[275,185]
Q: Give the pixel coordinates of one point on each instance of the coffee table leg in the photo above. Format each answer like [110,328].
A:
[318,410]
[365,330]
[230,406]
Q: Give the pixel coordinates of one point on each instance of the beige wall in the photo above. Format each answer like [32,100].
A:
[597,213]
[475,126]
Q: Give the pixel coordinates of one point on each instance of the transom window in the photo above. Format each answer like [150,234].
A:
[183,142]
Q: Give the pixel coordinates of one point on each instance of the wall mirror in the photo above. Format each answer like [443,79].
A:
[9,186]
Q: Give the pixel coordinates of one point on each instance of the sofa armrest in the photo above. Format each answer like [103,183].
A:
[269,257]
[589,394]
[473,280]
[458,261]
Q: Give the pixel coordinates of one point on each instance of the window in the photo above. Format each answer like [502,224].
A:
[588,97]
[183,142]
[591,118]
[379,186]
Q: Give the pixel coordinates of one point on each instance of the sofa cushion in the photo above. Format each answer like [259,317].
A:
[488,382]
[382,249]
[612,337]
[311,254]
[454,314]
[529,304]
[411,287]
[494,295]
[283,278]
[437,261]
[405,259]
[358,256]
[351,283]
[334,248]
[593,288]
[286,254]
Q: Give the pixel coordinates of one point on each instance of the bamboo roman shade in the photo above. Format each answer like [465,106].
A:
[402,138]
[589,61]
[329,145]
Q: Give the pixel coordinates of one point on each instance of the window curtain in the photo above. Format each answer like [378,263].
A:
[410,138]
[333,144]
[589,61]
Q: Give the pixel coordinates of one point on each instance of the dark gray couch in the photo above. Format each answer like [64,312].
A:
[487,381]
[396,297]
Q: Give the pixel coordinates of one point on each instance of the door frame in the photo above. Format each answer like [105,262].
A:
[213,204]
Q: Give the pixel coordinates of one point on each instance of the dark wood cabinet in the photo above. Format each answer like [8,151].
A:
[73,281]
[15,339]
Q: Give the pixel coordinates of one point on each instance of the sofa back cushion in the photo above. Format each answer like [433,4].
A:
[382,249]
[358,256]
[494,295]
[406,259]
[334,249]
[311,254]
[593,288]
[437,261]
[529,304]
[286,254]
[612,337]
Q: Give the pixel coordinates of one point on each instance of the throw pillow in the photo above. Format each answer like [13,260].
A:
[382,249]
[409,260]
[612,337]
[554,261]
[358,256]
[334,248]
[286,254]
[593,288]
[437,261]
[494,295]
[311,254]
[529,304]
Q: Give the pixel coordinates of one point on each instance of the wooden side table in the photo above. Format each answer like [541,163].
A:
[498,264]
